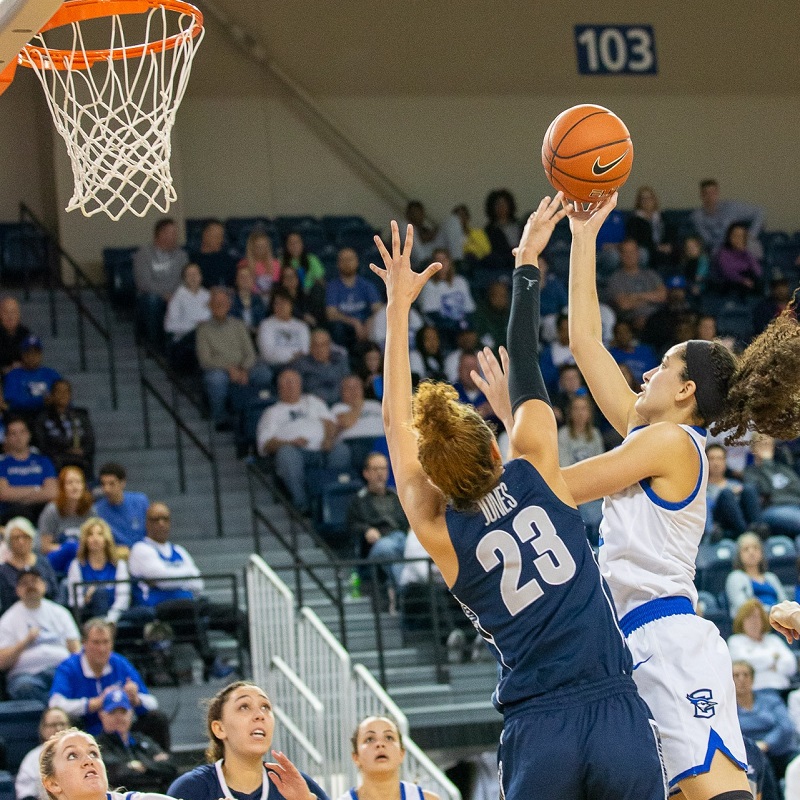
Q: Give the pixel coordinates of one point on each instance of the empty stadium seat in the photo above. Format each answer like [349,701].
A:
[118,269]
[714,562]
[237,229]
[19,727]
[302,223]
[359,239]
[333,224]
[331,518]
[781,555]
[24,250]
[194,232]
[6,786]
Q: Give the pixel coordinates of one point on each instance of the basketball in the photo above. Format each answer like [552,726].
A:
[587,153]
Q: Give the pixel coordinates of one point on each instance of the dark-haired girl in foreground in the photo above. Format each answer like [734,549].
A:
[511,546]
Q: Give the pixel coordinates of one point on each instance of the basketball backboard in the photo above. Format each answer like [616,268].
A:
[20,20]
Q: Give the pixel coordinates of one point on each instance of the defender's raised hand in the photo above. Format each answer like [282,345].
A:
[494,384]
[588,221]
[403,285]
[538,229]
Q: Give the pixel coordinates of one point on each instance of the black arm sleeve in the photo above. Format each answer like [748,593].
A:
[525,380]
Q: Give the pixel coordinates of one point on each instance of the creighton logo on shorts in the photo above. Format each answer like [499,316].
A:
[703,702]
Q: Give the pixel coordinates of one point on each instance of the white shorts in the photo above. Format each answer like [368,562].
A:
[682,669]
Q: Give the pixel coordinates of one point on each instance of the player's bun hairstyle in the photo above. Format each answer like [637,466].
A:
[764,383]
[455,445]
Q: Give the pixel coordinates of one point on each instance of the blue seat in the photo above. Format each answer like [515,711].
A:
[19,727]
[333,224]
[736,322]
[781,555]
[194,232]
[714,563]
[6,786]
[302,223]
[252,414]
[237,229]
[359,239]
[331,518]
[315,240]
[118,269]
[24,250]
[679,220]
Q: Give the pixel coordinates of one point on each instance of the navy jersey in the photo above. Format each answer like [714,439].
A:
[529,582]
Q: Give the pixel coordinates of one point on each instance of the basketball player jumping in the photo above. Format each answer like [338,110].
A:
[654,487]
[512,547]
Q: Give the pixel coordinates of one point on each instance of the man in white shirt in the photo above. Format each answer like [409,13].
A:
[36,635]
[359,421]
[281,337]
[446,300]
[300,431]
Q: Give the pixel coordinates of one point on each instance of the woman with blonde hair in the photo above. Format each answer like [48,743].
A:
[97,561]
[750,578]
[61,519]
[261,261]
[772,660]
[240,724]
[378,753]
[512,549]
[72,768]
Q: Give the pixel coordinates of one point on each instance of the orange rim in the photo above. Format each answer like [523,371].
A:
[82,10]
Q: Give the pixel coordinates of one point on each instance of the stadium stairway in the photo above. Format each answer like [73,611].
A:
[447,717]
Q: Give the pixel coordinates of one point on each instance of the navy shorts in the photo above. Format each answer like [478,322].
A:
[597,742]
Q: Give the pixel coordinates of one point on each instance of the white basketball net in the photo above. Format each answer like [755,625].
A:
[116,116]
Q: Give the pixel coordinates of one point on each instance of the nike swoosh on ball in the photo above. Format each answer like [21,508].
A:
[598,169]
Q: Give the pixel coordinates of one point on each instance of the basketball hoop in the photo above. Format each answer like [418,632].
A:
[115,105]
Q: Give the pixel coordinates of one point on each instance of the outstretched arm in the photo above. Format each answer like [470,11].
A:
[602,374]
[422,502]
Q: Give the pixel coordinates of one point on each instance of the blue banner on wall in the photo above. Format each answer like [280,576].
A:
[616,50]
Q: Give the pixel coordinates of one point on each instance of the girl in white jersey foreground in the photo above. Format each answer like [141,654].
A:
[378,753]
[72,769]
[654,509]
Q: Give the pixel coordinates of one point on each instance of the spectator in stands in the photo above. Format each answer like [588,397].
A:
[714,217]
[780,293]
[134,761]
[300,431]
[556,354]
[466,344]
[570,384]
[377,326]
[763,717]
[186,309]
[228,359]
[25,387]
[350,301]
[12,334]
[707,327]
[28,783]
[579,439]
[323,368]
[425,233]
[282,338]
[61,520]
[157,274]
[625,349]
[261,261]
[359,422]
[27,479]
[695,265]
[368,366]
[64,432]
[36,635]
[609,239]
[635,293]
[84,680]
[554,297]
[240,724]
[307,305]
[446,300]
[732,505]
[248,305]
[502,229]
[778,485]
[647,228]
[427,359]
[20,536]
[491,316]
[664,326]
[378,753]
[96,560]
[468,391]
[749,578]
[123,511]
[753,641]
[215,261]
[474,243]
[308,266]
[735,269]
[377,522]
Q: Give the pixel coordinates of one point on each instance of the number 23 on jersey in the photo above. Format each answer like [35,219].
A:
[551,557]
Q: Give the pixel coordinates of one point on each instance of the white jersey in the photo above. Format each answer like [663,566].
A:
[649,545]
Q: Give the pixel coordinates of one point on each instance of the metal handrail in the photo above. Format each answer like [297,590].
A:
[181,428]
[104,328]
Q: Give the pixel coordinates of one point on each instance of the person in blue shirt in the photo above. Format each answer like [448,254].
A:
[124,511]
[27,479]
[240,724]
[26,387]
[511,546]
[350,301]
[625,349]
